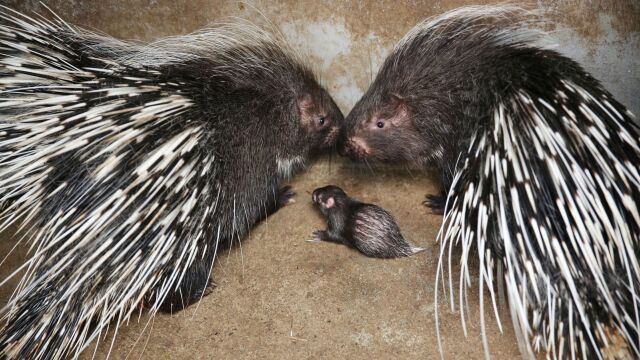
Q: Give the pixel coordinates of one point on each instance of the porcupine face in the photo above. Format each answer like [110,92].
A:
[320,118]
[416,107]
[327,197]
[380,128]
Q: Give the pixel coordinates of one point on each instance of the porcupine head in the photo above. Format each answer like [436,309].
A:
[424,103]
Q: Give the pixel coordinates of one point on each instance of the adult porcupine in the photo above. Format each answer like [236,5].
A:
[540,169]
[132,164]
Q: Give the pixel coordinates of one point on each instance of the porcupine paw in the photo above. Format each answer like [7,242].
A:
[178,301]
[193,288]
[435,203]
[204,291]
[286,196]
[319,235]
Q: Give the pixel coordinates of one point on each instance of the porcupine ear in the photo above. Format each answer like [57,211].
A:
[395,110]
[306,106]
[331,202]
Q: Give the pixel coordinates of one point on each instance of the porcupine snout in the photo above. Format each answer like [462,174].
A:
[354,147]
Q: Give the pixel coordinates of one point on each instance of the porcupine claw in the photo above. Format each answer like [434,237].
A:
[209,288]
[318,236]
[435,203]
[285,196]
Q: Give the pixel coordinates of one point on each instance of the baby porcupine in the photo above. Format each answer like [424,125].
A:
[539,166]
[366,227]
[132,165]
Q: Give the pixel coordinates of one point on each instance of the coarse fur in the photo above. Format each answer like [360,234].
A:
[539,167]
[132,165]
[366,227]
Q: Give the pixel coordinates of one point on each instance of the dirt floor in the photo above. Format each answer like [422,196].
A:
[282,297]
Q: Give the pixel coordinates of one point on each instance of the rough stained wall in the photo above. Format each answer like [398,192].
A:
[347,40]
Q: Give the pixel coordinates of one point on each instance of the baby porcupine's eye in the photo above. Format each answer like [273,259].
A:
[380,124]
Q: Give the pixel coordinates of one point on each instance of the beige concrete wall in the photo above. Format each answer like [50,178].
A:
[347,40]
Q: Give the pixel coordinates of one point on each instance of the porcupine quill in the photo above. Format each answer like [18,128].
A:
[539,167]
[131,165]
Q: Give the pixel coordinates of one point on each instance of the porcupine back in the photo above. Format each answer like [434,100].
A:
[122,171]
[545,182]
[376,233]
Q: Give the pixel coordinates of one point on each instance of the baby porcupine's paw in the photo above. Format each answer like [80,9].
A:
[286,196]
[319,235]
[435,203]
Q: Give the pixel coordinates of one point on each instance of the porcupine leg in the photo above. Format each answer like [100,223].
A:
[285,197]
[328,235]
[197,283]
[437,203]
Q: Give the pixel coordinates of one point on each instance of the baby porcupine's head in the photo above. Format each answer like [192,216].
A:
[328,198]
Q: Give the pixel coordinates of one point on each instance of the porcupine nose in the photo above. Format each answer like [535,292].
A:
[356,148]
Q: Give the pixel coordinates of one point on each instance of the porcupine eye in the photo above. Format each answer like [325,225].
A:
[323,121]
[380,124]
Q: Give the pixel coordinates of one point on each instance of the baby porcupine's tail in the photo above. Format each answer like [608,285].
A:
[415,249]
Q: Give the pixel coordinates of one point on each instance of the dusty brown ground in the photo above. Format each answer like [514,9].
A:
[281,297]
